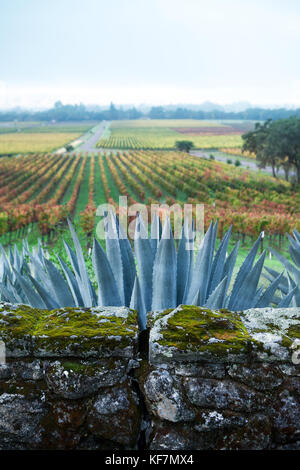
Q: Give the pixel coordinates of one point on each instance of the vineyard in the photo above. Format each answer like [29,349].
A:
[162,134]
[43,190]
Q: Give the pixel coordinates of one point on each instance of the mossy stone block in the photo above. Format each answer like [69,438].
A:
[74,332]
[198,334]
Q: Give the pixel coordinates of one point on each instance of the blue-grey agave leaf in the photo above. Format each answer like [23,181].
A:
[40,252]
[215,232]
[72,258]
[165,271]
[17,259]
[2,271]
[107,286]
[217,269]
[191,264]
[6,263]
[13,265]
[48,299]
[129,270]
[289,266]
[242,274]
[144,257]
[258,295]
[249,285]
[294,250]
[184,260]
[36,259]
[34,299]
[16,291]
[59,286]
[217,297]
[272,274]
[113,252]
[85,284]
[7,295]
[230,263]
[286,300]
[25,247]
[292,285]
[267,297]
[37,272]
[156,231]
[295,255]
[11,257]
[72,283]
[197,299]
[202,268]
[137,303]
[296,235]
[293,241]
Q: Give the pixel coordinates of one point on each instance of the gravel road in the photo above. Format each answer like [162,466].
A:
[245,162]
[90,144]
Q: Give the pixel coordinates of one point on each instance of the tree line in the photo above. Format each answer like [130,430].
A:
[79,112]
[276,143]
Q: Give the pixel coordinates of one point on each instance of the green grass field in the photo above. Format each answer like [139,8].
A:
[36,137]
[15,143]
[163,134]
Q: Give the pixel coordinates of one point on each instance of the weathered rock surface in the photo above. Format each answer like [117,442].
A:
[77,380]
[164,397]
[222,394]
[67,382]
[20,421]
[74,379]
[235,371]
[115,416]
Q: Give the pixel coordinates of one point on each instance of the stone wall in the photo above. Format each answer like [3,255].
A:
[200,379]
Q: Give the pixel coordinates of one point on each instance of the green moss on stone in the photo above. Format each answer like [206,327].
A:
[292,334]
[67,327]
[75,367]
[18,320]
[88,368]
[198,329]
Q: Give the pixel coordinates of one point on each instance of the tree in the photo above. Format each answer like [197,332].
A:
[184,145]
[276,143]
[256,142]
[58,104]
[157,112]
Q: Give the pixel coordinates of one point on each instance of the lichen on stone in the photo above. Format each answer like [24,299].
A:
[274,331]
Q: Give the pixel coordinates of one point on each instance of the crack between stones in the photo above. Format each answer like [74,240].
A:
[143,353]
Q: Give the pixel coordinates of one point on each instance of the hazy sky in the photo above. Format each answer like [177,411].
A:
[149,51]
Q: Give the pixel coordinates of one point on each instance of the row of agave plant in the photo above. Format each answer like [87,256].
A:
[152,276]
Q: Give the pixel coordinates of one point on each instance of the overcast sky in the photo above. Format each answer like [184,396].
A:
[149,51]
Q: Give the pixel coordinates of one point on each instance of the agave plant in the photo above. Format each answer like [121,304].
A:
[153,276]
[290,284]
